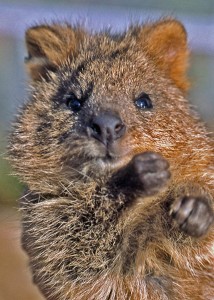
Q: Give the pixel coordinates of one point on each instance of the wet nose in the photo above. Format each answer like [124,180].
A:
[106,128]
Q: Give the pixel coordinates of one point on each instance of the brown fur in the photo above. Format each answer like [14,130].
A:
[86,240]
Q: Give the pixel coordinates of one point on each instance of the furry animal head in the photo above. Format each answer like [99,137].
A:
[98,99]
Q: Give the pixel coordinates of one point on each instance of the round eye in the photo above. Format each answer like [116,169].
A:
[73,103]
[144,101]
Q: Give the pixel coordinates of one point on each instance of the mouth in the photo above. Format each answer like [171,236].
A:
[112,162]
[112,157]
[98,160]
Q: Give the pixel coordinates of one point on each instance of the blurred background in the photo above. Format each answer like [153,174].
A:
[15,17]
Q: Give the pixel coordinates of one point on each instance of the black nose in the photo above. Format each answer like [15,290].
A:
[106,128]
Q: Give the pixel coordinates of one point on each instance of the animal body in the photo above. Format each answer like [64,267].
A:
[118,167]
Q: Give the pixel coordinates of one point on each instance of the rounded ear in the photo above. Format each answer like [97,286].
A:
[165,42]
[48,46]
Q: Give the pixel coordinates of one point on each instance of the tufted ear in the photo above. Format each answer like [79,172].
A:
[48,46]
[166,43]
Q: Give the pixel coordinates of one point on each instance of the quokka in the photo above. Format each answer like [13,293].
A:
[118,167]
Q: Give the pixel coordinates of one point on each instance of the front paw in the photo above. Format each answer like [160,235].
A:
[193,215]
[150,172]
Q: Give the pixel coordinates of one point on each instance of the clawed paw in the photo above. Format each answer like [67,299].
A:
[193,215]
[151,171]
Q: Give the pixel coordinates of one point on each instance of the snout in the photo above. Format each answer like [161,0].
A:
[107,127]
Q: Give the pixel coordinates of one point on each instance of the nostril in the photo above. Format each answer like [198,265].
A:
[119,127]
[96,128]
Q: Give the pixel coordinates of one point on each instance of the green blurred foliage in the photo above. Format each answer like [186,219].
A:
[10,187]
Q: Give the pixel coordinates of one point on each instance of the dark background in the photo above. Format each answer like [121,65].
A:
[15,17]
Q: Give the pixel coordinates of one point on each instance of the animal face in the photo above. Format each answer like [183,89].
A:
[96,100]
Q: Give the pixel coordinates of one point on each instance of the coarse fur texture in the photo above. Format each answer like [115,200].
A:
[118,168]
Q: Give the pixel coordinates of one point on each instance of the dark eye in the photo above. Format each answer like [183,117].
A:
[73,103]
[143,101]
